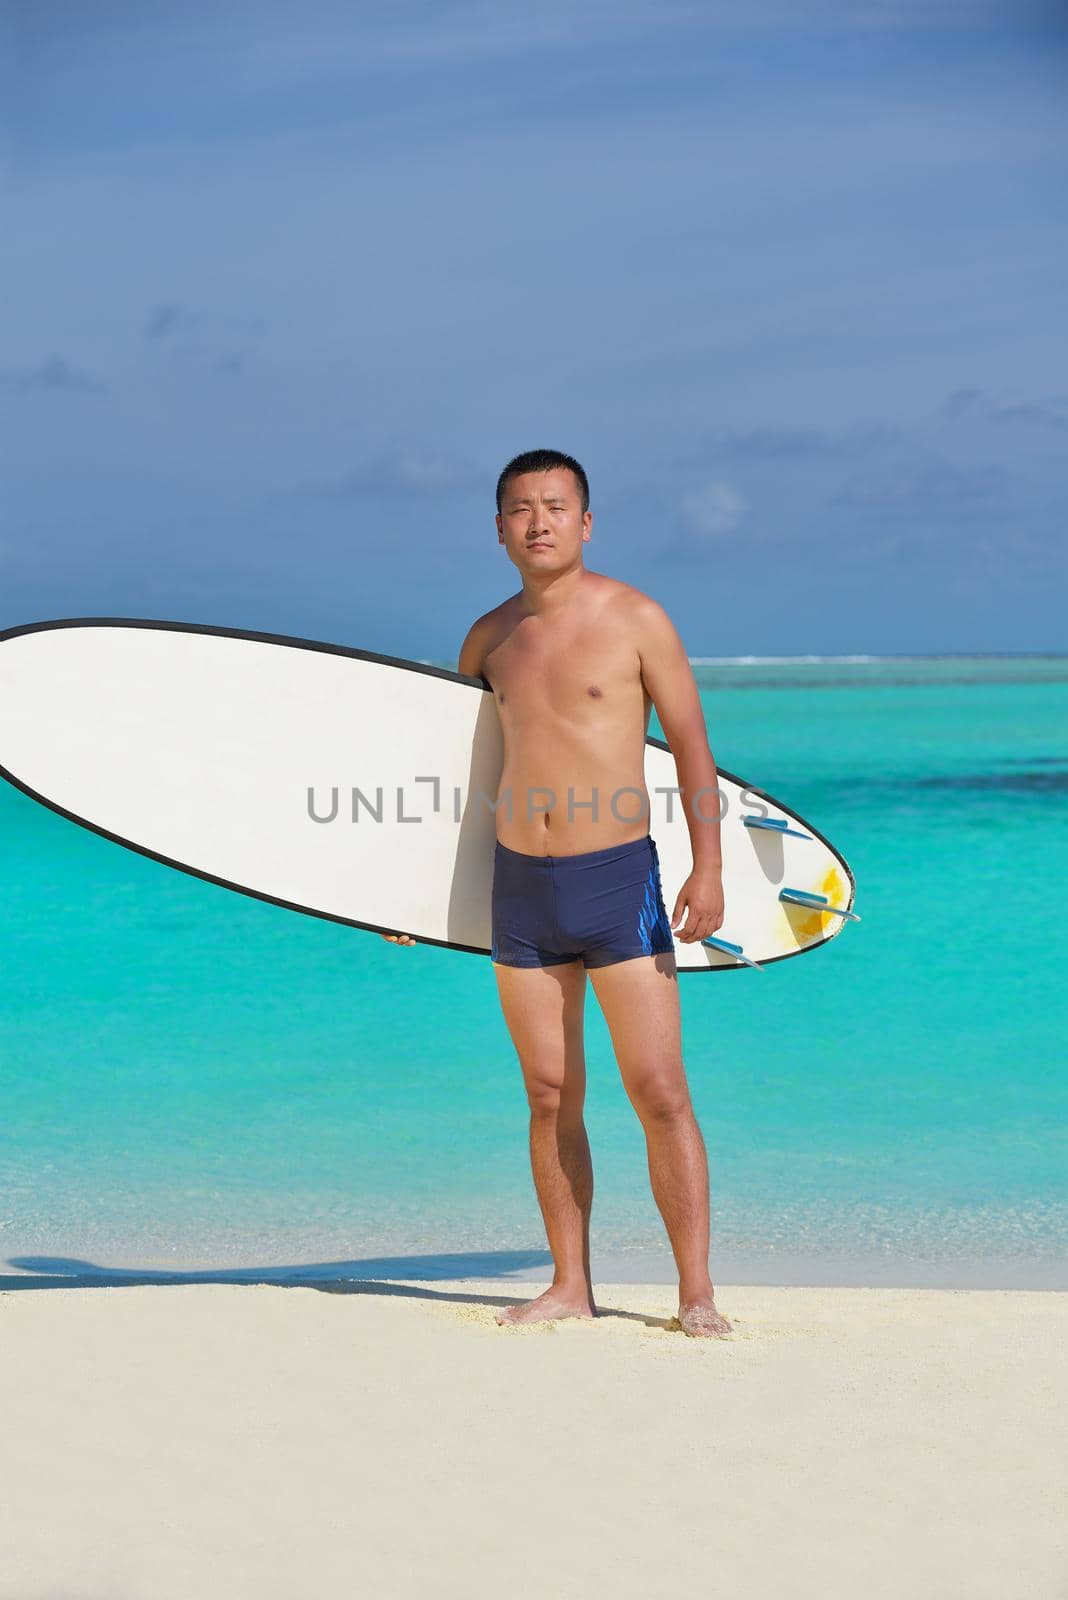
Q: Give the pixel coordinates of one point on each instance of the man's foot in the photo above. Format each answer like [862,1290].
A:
[701,1320]
[553,1304]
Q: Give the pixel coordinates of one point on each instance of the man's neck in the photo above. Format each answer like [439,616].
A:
[544,597]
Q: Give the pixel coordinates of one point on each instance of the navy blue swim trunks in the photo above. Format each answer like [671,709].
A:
[605,906]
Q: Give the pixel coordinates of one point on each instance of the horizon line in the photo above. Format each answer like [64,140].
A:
[802,660]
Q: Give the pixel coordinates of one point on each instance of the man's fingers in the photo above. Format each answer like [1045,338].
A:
[698,923]
[693,923]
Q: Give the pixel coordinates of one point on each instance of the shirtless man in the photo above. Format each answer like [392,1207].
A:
[575,660]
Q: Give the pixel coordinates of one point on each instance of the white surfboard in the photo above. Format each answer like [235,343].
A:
[346,785]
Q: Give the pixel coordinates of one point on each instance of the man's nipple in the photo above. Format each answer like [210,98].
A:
[594,691]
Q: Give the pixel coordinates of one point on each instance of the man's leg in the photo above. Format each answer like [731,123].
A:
[543,1008]
[640,1001]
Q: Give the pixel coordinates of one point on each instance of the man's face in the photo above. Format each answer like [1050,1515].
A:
[541,522]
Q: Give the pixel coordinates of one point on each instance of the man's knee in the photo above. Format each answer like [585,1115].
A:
[543,1097]
[661,1097]
[554,1095]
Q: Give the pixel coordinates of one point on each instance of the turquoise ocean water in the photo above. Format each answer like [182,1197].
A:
[194,1080]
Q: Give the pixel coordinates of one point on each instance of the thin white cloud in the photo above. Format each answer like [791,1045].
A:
[197,335]
[935,486]
[712,511]
[975,405]
[404,471]
[169,319]
[775,441]
[164,320]
[54,375]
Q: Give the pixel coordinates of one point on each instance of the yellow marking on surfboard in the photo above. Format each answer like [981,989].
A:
[815,924]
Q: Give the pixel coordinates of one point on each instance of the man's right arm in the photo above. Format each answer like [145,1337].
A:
[470,664]
[473,650]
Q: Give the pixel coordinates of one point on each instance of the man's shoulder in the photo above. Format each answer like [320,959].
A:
[490,621]
[629,602]
[484,634]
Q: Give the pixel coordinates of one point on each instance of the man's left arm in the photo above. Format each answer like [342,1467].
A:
[669,680]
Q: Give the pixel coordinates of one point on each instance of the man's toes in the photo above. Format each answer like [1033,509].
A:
[704,1322]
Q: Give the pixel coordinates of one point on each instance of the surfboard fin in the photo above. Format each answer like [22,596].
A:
[775,825]
[815,902]
[734,950]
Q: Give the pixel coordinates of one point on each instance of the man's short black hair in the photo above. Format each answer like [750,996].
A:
[543,461]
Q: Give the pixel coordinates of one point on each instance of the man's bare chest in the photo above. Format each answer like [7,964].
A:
[571,671]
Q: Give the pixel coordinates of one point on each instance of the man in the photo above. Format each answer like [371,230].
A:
[575,660]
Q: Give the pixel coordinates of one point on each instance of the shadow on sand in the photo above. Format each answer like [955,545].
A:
[403,1276]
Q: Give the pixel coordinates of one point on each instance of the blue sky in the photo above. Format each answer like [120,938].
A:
[286,287]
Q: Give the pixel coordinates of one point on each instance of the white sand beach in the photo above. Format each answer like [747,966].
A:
[219,1440]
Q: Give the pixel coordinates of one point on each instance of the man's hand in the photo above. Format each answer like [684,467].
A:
[701,896]
[397,938]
